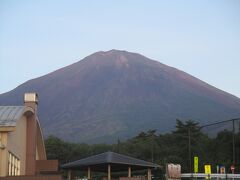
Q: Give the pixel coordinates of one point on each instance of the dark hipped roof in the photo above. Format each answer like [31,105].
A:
[100,162]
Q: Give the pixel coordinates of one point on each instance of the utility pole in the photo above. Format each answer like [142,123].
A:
[233,140]
[152,147]
[189,150]
[118,145]
[233,133]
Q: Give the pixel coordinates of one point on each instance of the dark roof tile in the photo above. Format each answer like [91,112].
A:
[109,158]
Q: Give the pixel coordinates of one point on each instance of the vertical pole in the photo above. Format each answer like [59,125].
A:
[89,173]
[149,175]
[233,141]
[118,145]
[109,172]
[152,150]
[152,147]
[69,175]
[189,150]
[129,171]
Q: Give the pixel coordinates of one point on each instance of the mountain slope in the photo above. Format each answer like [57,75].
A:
[117,94]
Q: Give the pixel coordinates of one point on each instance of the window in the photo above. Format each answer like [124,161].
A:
[13,165]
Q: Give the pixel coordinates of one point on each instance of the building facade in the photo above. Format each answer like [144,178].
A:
[22,150]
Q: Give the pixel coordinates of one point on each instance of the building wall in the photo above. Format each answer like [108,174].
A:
[17,143]
[23,143]
[3,154]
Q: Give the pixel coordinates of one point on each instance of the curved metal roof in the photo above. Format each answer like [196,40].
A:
[10,114]
[110,158]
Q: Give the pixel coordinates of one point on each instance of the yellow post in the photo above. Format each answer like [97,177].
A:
[69,175]
[149,175]
[89,173]
[129,171]
[195,164]
[109,172]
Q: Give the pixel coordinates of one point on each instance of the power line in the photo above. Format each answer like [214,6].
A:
[219,122]
[233,133]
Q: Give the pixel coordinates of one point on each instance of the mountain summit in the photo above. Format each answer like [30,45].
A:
[117,94]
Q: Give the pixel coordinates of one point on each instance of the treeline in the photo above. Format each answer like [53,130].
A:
[179,146]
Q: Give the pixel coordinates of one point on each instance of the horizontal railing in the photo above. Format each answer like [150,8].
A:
[202,175]
[37,177]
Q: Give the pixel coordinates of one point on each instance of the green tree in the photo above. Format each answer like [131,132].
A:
[143,146]
[221,149]
[189,142]
[57,149]
[172,147]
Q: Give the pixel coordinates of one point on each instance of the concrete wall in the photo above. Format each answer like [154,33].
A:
[17,143]
[43,166]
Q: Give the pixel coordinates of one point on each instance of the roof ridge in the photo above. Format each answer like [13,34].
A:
[109,156]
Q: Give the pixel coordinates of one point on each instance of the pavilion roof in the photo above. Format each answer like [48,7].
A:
[118,162]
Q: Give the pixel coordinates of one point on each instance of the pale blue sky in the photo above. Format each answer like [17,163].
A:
[200,37]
